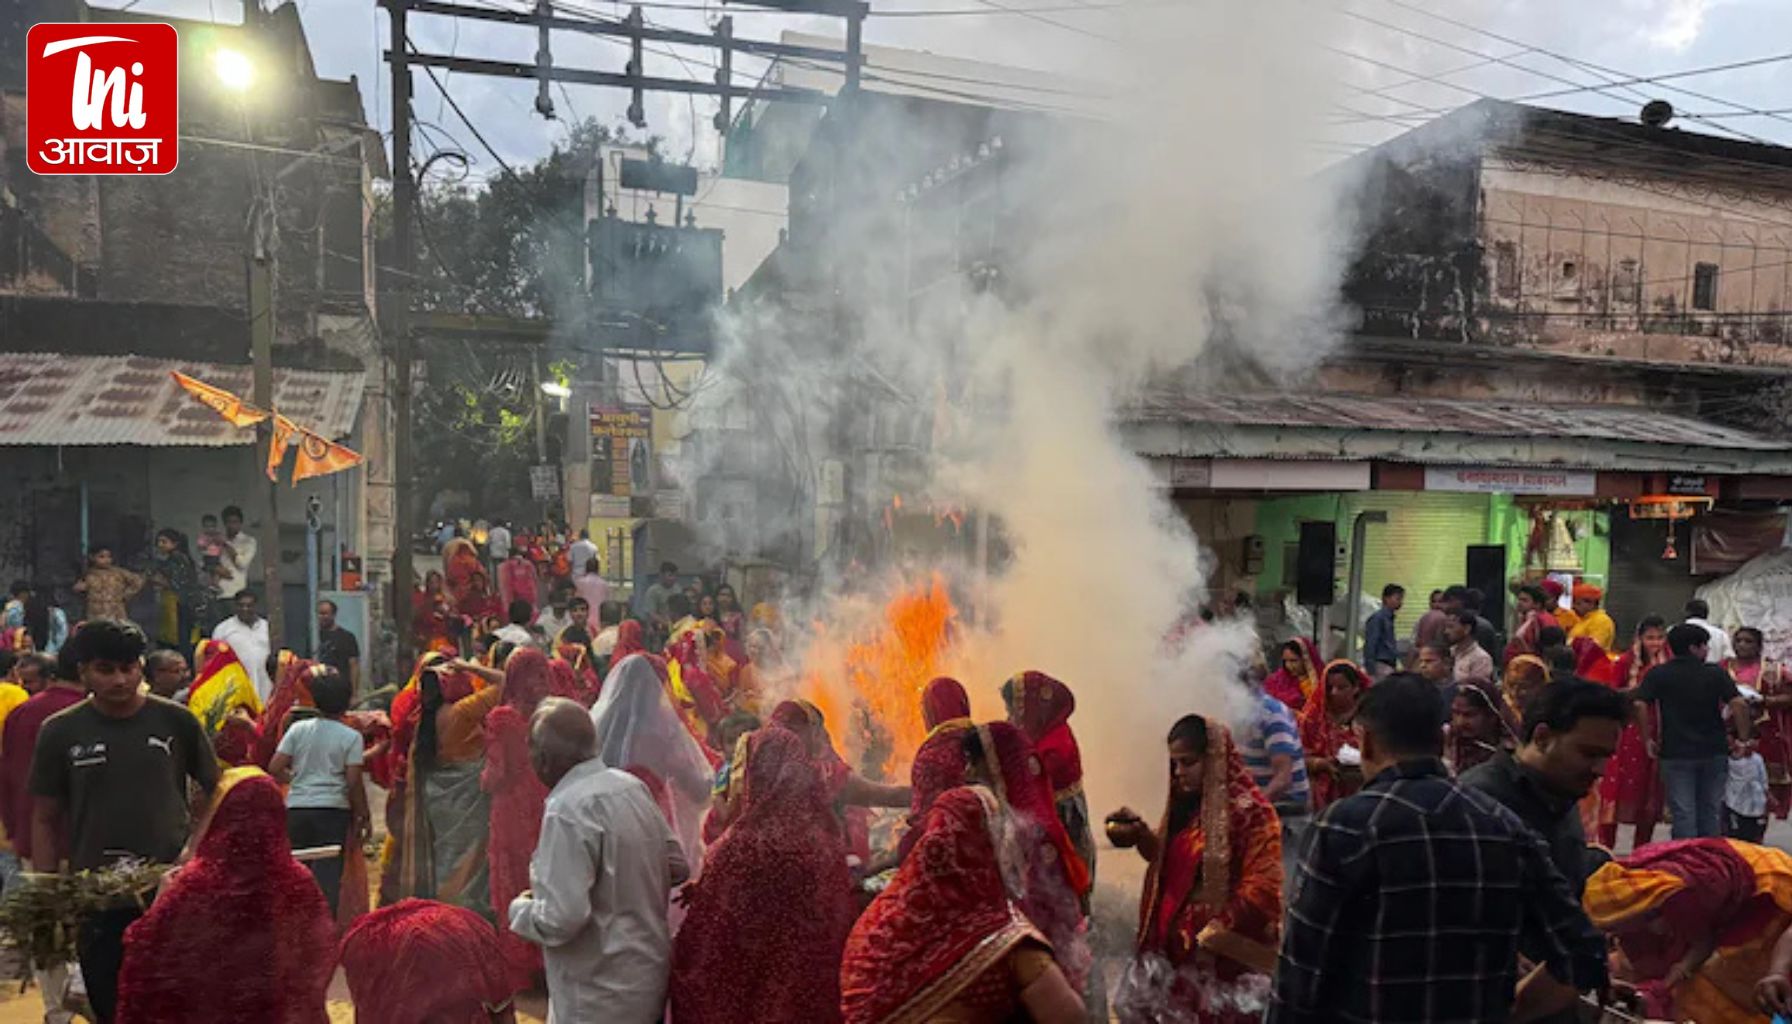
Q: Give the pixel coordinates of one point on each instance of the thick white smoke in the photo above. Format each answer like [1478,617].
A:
[1188,223]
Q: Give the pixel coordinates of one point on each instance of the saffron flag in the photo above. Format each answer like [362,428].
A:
[284,429]
[225,404]
[319,457]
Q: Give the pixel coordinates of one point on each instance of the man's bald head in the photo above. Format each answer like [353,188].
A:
[561,737]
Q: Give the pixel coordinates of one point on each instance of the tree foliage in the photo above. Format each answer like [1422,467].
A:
[512,246]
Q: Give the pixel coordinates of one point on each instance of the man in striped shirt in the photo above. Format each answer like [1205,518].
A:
[1270,747]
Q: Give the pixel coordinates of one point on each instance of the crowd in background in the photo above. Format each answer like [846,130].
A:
[630,813]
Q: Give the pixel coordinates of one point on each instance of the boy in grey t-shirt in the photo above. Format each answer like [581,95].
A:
[320,761]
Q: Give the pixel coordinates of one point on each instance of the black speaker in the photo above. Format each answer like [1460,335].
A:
[1316,567]
[1487,573]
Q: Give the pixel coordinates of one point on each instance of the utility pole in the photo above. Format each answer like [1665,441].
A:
[404,198]
[260,265]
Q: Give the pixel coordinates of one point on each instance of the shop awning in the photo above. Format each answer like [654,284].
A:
[52,399]
[1435,431]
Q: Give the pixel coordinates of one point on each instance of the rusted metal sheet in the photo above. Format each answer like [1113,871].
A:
[1516,420]
[51,399]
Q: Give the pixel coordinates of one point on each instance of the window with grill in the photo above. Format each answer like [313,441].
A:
[1505,270]
[1704,286]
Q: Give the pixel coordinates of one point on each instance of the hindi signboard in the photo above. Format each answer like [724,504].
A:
[622,452]
[1564,483]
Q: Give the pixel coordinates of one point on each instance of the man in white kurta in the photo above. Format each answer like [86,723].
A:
[247,634]
[602,871]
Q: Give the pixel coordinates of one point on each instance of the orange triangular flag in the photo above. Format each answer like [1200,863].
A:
[225,404]
[318,457]
[284,429]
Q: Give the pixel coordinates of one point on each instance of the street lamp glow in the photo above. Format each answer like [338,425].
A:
[555,389]
[233,68]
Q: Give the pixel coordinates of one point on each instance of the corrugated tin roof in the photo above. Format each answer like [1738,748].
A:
[1402,414]
[52,399]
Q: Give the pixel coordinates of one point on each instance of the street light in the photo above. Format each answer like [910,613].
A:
[234,69]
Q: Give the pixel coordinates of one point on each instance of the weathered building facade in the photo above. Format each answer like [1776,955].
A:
[129,277]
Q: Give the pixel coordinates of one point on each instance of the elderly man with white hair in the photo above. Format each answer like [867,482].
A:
[599,878]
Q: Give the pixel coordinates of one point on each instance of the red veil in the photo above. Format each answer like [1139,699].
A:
[940,763]
[1289,689]
[945,919]
[423,962]
[628,641]
[517,799]
[766,923]
[1042,707]
[242,932]
[1592,663]
[807,721]
[1322,737]
[290,691]
[1057,877]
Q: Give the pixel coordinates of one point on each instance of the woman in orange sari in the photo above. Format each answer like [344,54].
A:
[1210,916]
[1294,682]
[1526,675]
[517,798]
[1328,734]
[1631,792]
[239,933]
[944,944]
[1697,921]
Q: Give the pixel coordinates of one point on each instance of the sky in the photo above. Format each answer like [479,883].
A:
[1418,56]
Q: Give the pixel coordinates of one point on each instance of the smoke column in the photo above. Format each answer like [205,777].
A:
[1188,229]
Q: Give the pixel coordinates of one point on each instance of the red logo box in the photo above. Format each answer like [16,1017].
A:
[102,98]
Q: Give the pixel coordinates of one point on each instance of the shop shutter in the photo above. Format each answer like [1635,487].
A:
[1423,546]
[1642,582]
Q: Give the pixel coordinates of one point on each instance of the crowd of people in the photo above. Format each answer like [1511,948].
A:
[633,814]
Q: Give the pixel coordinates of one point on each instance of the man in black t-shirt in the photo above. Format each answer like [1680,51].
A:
[338,648]
[109,777]
[1690,696]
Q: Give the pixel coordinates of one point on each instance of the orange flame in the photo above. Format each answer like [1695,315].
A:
[873,704]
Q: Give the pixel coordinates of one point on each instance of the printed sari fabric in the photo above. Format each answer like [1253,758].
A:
[1041,706]
[807,721]
[940,763]
[241,933]
[1295,689]
[945,923]
[222,686]
[423,962]
[1657,903]
[1055,879]
[1216,886]
[517,798]
[765,925]
[1322,735]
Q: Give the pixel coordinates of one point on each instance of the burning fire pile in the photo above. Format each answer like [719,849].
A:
[867,676]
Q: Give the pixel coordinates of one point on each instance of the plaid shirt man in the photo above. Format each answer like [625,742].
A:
[1413,899]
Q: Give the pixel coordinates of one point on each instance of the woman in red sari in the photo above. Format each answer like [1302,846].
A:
[291,690]
[1328,734]
[1210,916]
[423,962]
[1294,682]
[847,792]
[1631,792]
[1773,733]
[1592,663]
[431,609]
[1041,706]
[940,763]
[1525,676]
[945,942]
[517,798]
[241,932]
[1055,879]
[765,925]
